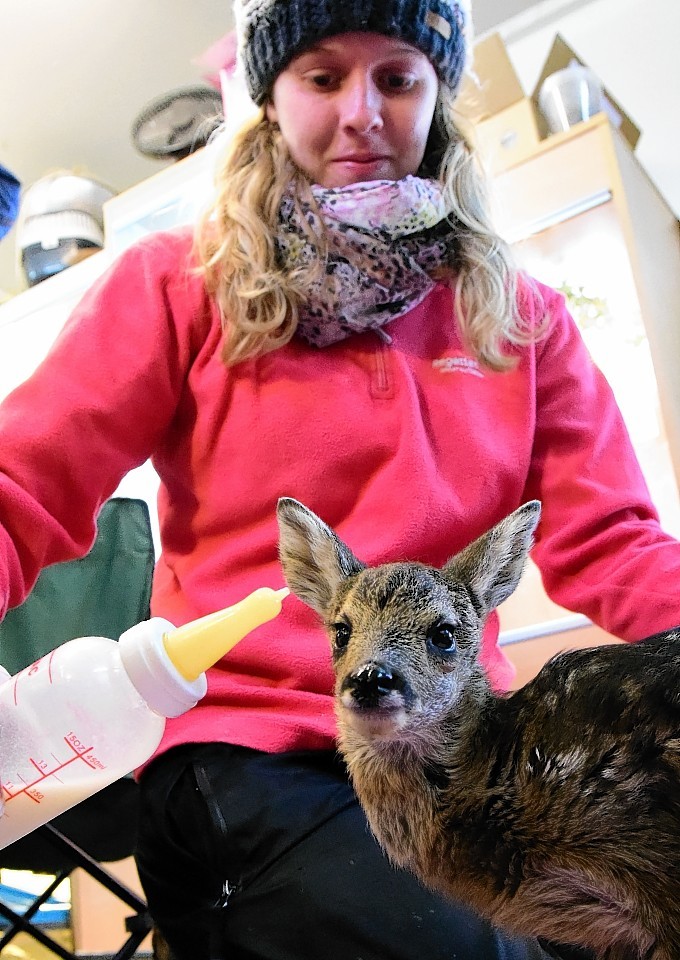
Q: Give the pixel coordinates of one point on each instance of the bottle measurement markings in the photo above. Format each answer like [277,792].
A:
[80,753]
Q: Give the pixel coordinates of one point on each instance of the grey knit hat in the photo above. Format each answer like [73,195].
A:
[272,32]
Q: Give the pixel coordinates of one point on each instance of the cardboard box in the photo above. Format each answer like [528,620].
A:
[501,118]
[492,84]
[508,137]
[559,57]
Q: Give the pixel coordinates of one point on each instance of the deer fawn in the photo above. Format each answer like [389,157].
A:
[554,811]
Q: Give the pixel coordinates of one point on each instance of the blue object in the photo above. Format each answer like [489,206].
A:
[9,199]
[52,913]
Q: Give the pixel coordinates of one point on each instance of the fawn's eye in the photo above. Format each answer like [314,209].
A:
[442,636]
[343,632]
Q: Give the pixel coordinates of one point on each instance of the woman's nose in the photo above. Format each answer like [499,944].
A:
[361,105]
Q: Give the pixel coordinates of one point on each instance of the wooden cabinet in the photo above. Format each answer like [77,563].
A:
[97,917]
[584,217]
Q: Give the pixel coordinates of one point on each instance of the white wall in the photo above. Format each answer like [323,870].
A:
[633,47]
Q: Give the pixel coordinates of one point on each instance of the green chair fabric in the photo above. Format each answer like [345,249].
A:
[100,595]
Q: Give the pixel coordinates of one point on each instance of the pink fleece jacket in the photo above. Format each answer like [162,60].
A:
[409,450]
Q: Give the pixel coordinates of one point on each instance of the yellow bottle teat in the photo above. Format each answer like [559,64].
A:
[198,645]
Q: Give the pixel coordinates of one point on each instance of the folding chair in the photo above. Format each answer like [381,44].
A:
[102,594]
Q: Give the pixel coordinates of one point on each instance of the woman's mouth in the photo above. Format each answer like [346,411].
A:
[361,160]
[356,168]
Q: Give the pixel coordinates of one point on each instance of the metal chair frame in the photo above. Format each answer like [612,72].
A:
[138,925]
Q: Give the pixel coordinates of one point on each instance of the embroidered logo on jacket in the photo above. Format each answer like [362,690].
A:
[458,364]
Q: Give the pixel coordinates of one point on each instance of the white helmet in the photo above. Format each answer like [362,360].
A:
[61,218]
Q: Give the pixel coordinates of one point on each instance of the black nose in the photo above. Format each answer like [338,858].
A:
[372,682]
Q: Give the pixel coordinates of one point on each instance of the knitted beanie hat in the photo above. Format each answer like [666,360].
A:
[272,32]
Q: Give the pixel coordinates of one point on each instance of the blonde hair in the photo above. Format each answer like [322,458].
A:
[259,297]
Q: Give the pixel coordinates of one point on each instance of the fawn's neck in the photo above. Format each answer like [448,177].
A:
[406,785]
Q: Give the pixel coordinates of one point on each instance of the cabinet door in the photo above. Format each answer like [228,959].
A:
[586,257]
[31,321]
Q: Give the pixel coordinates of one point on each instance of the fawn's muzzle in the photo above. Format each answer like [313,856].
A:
[370,683]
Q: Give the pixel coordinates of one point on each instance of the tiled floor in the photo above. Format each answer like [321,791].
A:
[24,947]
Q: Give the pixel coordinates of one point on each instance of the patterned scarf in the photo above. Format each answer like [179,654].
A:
[385,239]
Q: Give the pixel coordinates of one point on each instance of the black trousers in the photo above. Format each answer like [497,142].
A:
[246,855]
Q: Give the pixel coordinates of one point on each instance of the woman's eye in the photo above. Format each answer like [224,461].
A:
[442,636]
[342,632]
[398,82]
[324,81]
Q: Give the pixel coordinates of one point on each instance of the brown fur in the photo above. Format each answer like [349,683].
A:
[159,947]
[554,812]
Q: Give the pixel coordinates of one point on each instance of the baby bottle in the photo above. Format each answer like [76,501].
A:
[93,709]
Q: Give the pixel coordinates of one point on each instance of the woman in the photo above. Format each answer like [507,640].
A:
[350,332]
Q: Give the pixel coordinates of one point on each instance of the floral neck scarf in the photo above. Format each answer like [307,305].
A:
[385,238]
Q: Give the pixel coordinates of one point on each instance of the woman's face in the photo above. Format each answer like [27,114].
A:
[356,107]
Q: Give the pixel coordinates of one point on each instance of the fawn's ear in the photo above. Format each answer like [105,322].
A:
[492,565]
[315,561]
